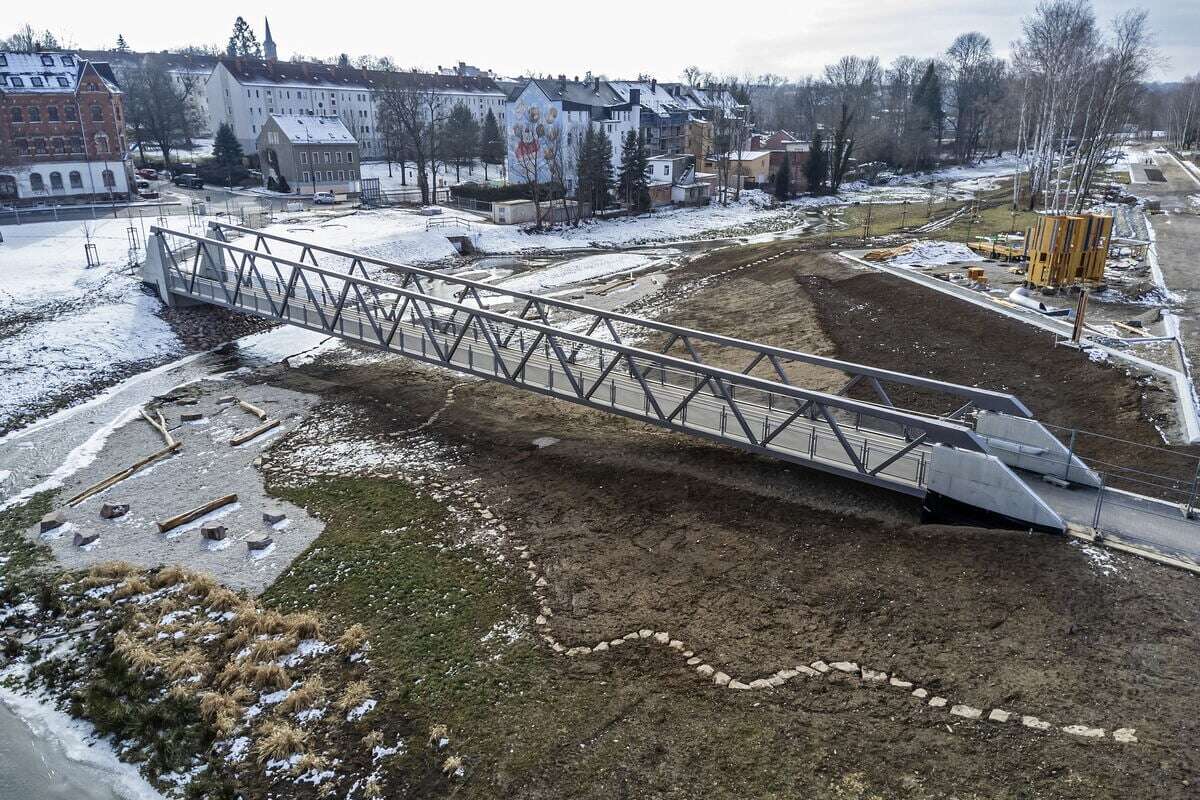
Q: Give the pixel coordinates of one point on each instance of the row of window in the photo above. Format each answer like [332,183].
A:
[287,94]
[342,175]
[38,184]
[69,112]
[337,157]
[58,145]
[36,81]
[47,60]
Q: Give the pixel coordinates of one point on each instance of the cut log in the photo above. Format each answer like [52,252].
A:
[96,488]
[195,513]
[242,438]
[159,425]
[253,409]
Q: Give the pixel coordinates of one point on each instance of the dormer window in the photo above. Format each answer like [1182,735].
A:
[68,61]
[37,82]
[47,61]
[3,60]
[63,81]
[17,82]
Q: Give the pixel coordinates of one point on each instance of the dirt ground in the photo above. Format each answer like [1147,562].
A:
[759,566]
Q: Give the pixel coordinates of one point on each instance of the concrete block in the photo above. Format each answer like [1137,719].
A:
[999,715]
[113,510]
[687,654]
[937,702]
[55,519]
[921,693]
[899,684]
[83,539]
[213,530]
[738,685]
[274,516]
[1125,735]
[720,679]
[1035,723]
[226,400]
[966,712]
[694,660]
[873,676]
[191,416]
[539,620]
[1084,731]
[849,667]
[616,642]
[259,541]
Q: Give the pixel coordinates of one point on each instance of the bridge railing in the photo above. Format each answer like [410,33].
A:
[758,359]
[879,443]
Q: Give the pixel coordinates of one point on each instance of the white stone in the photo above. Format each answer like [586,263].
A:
[738,685]
[616,642]
[1084,731]
[776,681]
[693,661]
[547,612]
[579,651]
[542,583]
[1035,723]
[661,638]
[1125,735]
[705,671]
[999,715]
[629,637]
[558,648]
[787,674]
[820,666]
[600,648]
[899,684]
[760,683]
[966,712]
[645,633]
[809,671]
[539,620]
[873,676]
[688,654]
[675,644]
[525,555]
[848,667]
[720,679]
[937,702]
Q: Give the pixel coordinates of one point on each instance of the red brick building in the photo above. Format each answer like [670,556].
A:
[62,131]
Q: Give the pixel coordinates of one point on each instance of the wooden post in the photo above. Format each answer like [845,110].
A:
[196,513]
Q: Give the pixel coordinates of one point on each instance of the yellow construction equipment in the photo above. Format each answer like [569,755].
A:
[1067,249]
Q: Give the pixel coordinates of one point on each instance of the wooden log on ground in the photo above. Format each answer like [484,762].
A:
[242,438]
[160,426]
[111,480]
[195,513]
[253,409]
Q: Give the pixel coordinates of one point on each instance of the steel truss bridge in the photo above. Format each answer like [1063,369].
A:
[650,371]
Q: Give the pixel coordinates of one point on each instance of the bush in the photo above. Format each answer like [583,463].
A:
[219,175]
[513,191]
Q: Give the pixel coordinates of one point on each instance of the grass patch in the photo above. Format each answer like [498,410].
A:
[23,559]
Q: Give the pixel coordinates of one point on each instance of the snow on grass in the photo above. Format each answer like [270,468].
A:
[933,253]
[578,270]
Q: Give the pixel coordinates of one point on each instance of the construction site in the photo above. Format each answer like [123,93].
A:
[910,506]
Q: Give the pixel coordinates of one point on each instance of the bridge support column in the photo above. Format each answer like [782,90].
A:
[154,272]
[982,481]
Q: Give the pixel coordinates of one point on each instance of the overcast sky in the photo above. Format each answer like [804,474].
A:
[617,38]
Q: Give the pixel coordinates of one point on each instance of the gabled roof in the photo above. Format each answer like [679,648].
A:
[253,70]
[654,97]
[176,62]
[300,129]
[60,75]
[597,94]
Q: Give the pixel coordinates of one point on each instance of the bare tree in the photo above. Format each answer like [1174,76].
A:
[410,104]
[157,109]
[1183,114]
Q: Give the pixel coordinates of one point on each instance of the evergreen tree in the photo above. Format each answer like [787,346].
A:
[817,166]
[491,143]
[783,179]
[925,120]
[122,47]
[634,189]
[585,166]
[460,137]
[243,42]
[227,150]
[602,176]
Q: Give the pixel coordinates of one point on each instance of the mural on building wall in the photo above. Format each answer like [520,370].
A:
[537,137]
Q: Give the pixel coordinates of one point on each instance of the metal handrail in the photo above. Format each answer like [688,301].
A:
[981,398]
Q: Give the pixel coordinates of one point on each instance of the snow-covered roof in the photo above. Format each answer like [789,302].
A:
[313,130]
[38,72]
[655,97]
[747,155]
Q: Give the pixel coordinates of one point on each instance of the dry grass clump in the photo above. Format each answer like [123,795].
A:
[303,697]
[131,586]
[451,765]
[268,676]
[169,576]
[186,664]
[372,789]
[222,599]
[351,639]
[92,581]
[111,570]
[271,649]
[202,585]
[235,641]
[304,624]
[308,762]
[372,740]
[205,628]
[354,695]
[436,734]
[278,740]
[137,654]
[234,673]
[214,704]
[260,623]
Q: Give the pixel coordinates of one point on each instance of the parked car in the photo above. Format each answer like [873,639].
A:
[148,174]
[324,198]
[188,181]
[147,194]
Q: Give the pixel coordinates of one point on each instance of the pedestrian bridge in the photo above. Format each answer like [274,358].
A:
[978,454]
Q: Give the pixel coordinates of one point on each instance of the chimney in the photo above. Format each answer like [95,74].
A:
[562,83]
[653,85]
[635,97]
[596,85]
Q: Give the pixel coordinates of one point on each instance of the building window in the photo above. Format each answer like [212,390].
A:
[326,156]
[69,112]
[337,156]
[349,156]
[52,114]
[101,143]
[39,146]
[47,61]
[8,184]
[36,183]
[57,145]
[37,82]
[76,144]
[97,114]
[76,179]
[35,114]
[110,180]
[21,146]
[306,177]
[68,61]
[341,174]
[63,81]
[56,181]
[303,157]
[17,82]
[329,176]
[16,115]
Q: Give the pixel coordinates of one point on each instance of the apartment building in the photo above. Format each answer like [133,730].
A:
[62,120]
[189,73]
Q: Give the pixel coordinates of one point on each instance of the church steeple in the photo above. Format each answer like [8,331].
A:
[269,43]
